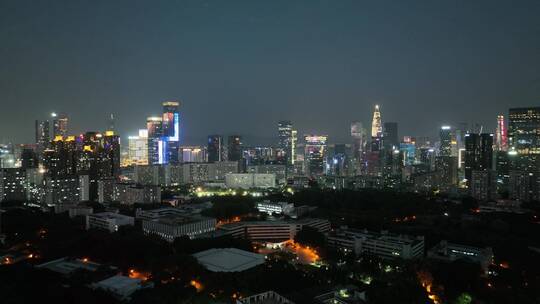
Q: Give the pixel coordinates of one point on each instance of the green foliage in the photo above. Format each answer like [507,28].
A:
[309,236]
[464,298]
[226,207]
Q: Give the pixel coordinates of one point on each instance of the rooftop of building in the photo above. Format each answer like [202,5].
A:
[68,265]
[109,215]
[228,259]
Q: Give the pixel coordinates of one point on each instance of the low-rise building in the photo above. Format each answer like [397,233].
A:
[122,287]
[267,297]
[109,221]
[229,259]
[382,244]
[275,207]
[170,223]
[250,180]
[74,211]
[66,266]
[450,252]
[272,231]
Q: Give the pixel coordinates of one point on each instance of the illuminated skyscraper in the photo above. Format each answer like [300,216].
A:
[478,153]
[171,132]
[138,148]
[285,133]
[524,137]
[215,148]
[60,124]
[43,135]
[445,136]
[501,134]
[358,136]
[315,153]
[376,124]
[155,143]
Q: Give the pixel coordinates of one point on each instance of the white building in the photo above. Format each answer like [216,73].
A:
[273,231]
[275,207]
[382,244]
[108,221]
[250,180]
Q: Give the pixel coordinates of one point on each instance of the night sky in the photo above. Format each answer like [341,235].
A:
[240,66]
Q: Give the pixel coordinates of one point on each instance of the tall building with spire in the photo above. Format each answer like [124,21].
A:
[376,124]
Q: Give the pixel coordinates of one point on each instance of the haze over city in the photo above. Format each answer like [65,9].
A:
[269,152]
[240,67]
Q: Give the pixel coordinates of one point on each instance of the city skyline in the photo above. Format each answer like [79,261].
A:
[322,66]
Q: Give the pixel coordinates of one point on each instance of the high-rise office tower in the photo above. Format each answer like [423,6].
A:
[294,139]
[390,137]
[171,132]
[215,148]
[138,148]
[155,144]
[234,148]
[43,135]
[315,153]
[478,153]
[445,135]
[501,134]
[524,137]
[285,133]
[376,124]
[358,136]
[111,154]
[60,124]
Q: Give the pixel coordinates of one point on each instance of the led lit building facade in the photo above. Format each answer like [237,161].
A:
[155,144]
[315,153]
[376,123]
[171,132]
[524,137]
[501,134]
